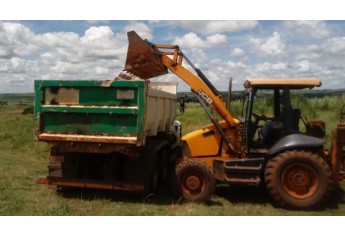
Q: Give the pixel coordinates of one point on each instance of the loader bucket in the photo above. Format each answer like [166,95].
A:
[143,59]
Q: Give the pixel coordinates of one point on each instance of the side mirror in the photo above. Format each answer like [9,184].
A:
[182,102]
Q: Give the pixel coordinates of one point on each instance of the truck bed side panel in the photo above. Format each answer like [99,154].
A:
[112,111]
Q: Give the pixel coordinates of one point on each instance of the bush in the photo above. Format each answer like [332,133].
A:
[3,103]
[28,110]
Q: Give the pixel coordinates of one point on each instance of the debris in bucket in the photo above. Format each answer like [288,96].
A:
[124,75]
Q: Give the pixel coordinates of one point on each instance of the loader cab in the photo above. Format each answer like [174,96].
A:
[269,116]
[268,113]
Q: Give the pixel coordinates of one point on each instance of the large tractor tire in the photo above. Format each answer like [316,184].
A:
[195,180]
[298,179]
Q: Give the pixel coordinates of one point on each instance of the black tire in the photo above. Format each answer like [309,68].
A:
[195,180]
[151,182]
[298,179]
[163,166]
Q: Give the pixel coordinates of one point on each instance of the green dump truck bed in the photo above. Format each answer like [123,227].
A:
[124,112]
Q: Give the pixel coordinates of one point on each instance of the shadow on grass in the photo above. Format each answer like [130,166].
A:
[244,194]
[260,195]
[164,196]
[337,197]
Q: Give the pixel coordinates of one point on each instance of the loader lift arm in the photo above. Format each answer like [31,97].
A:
[147,60]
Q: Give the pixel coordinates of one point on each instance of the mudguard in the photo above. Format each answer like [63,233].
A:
[295,141]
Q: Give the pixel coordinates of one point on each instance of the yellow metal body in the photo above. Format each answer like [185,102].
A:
[304,82]
[206,143]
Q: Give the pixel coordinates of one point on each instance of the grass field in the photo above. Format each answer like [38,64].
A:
[22,160]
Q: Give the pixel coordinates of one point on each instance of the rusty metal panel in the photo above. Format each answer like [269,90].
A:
[87,138]
[340,134]
[61,96]
[96,147]
[125,94]
[118,185]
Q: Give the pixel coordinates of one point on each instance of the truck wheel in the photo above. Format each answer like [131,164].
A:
[163,166]
[298,179]
[195,180]
[151,182]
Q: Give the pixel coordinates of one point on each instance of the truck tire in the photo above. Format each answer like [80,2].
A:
[163,167]
[151,181]
[195,180]
[298,179]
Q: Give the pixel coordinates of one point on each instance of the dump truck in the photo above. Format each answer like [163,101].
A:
[291,162]
[111,134]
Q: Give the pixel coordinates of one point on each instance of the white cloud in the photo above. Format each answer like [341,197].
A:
[96,43]
[216,26]
[235,65]
[238,52]
[47,58]
[315,29]
[192,40]
[98,54]
[309,52]
[101,42]
[272,46]
[17,65]
[142,29]
[100,70]
[216,39]
[58,39]
[200,55]
[5,52]
[229,26]
[335,46]
[308,56]
[267,67]
[16,40]
[68,68]
[304,65]
[94,34]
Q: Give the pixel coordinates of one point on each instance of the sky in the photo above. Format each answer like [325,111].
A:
[96,50]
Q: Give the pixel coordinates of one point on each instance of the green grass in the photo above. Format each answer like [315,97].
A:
[22,160]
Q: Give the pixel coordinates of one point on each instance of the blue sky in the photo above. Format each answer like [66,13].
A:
[222,49]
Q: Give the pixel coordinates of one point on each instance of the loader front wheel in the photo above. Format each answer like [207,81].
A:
[298,179]
[195,180]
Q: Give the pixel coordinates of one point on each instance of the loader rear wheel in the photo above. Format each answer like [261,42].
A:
[195,180]
[298,179]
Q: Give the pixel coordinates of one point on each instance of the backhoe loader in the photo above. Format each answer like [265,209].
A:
[293,164]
